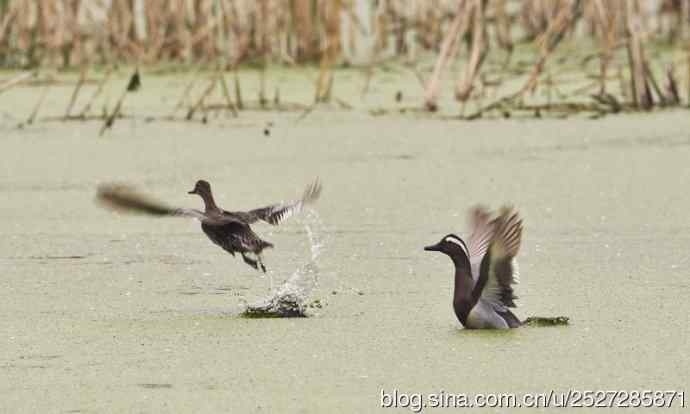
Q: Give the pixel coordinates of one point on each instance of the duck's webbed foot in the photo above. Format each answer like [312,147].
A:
[250,262]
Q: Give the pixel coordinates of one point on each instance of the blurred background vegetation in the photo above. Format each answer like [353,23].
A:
[642,46]
[70,32]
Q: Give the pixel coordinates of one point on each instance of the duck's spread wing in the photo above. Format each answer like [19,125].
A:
[478,242]
[482,231]
[277,213]
[125,199]
[499,271]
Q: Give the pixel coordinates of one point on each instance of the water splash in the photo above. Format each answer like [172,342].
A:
[290,299]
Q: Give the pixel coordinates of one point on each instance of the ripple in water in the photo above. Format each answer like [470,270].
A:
[289,300]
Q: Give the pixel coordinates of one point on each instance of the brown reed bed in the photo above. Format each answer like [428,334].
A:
[507,57]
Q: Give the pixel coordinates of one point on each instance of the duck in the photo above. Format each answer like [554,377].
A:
[230,230]
[485,269]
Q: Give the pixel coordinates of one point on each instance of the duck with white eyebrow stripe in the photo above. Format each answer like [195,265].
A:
[486,270]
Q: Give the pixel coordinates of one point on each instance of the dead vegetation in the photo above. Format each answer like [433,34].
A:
[500,57]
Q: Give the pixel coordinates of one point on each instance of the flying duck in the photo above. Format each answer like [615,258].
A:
[485,269]
[229,230]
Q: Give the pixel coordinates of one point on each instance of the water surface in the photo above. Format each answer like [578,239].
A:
[103,312]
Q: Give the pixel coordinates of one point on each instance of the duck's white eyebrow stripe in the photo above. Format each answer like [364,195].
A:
[459,243]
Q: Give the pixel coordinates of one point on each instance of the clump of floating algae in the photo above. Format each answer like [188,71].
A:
[290,300]
[288,305]
[546,321]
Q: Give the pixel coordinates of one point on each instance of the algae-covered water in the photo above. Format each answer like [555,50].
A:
[114,313]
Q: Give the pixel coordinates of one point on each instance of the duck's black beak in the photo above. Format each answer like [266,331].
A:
[432,248]
[192,192]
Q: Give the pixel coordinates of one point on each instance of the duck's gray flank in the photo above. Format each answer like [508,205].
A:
[485,269]
[229,230]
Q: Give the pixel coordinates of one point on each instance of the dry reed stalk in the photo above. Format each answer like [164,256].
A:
[202,41]
[39,103]
[435,23]
[448,49]
[238,90]
[534,17]
[276,97]
[16,81]
[226,94]
[400,31]
[503,27]
[120,24]
[672,95]
[41,32]
[77,88]
[182,48]
[607,28]
[241,33]
[684,16]
[622,84]
[479,51]
[73,49]
[331,20]
[688,66]
[6,23]
[649,76]
[549,40]
[379,22]
[24,29]
[262,28]
[200,102]
[154,19]
[382,25]
[77,118]
[356,22]
[187,90]
[97,92]
[134,81]
[110,119]
[262,86]
[641,94]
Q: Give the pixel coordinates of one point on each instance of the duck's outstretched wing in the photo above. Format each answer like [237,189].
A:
[482,231]
[499,272]
[277,213]
[123,198]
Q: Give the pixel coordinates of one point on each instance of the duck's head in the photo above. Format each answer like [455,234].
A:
[202,188]
[451,245]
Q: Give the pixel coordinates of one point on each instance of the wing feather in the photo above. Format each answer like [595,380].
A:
[125,199]
[478,242]
[499,270]
[482,231]
[277,213]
